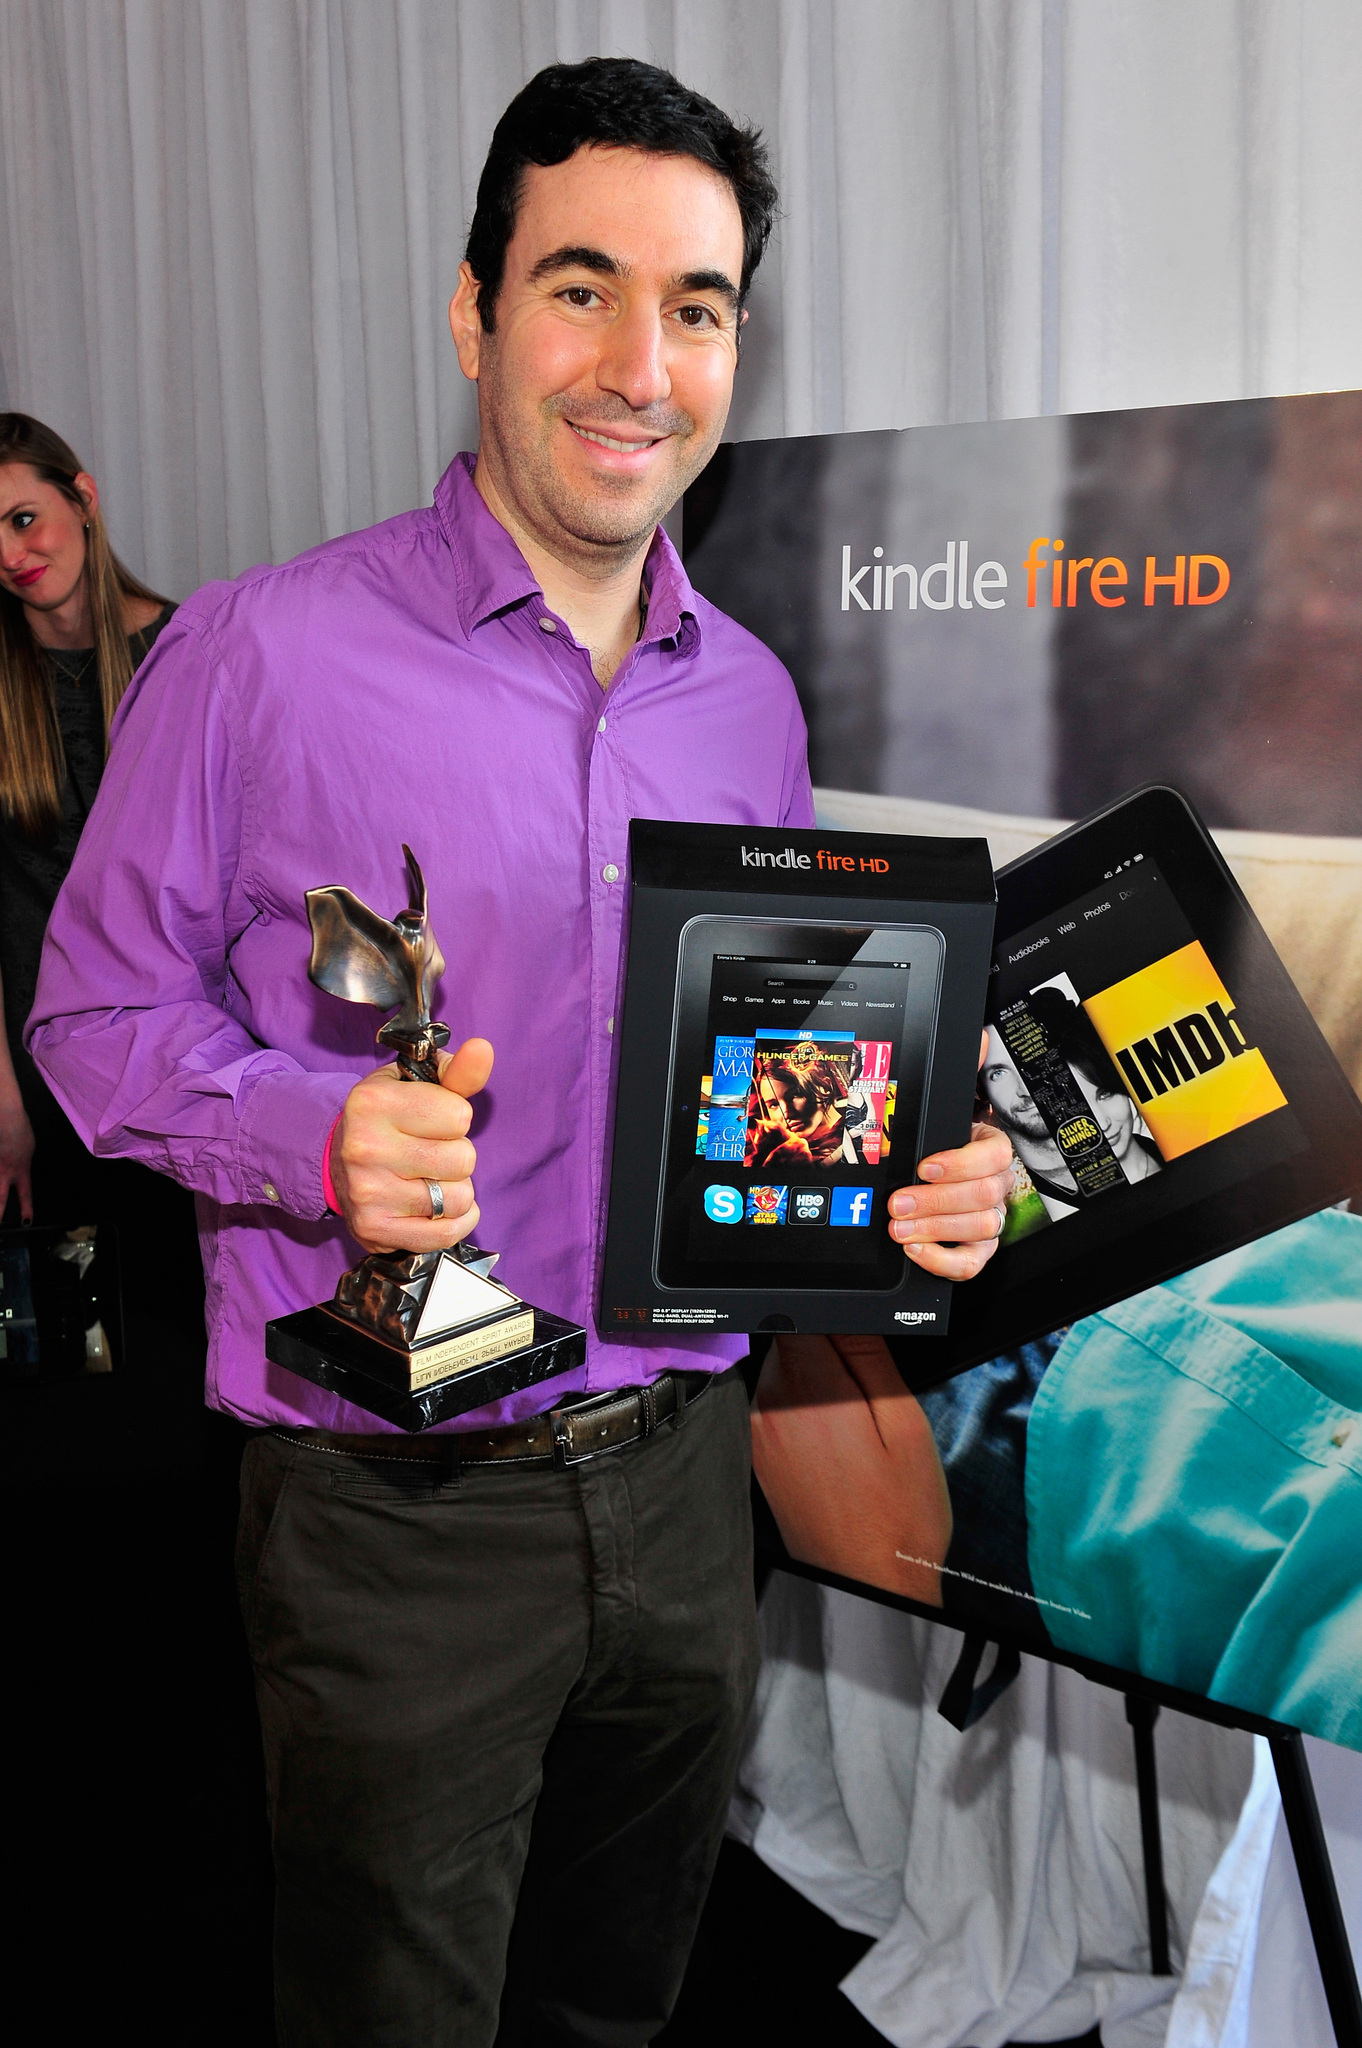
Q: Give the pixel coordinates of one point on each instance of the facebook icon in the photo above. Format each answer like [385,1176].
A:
[851,1205]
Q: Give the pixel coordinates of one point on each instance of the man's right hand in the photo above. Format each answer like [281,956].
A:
[393,1137]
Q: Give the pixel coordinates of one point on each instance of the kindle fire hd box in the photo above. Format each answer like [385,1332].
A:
[801,1024]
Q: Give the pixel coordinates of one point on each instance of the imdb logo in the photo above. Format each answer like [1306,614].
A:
[1173,1031]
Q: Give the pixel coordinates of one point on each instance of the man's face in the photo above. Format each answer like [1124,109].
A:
[1006,1090]
[605,387]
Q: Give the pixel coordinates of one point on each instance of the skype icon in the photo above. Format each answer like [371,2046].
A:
[723,1205]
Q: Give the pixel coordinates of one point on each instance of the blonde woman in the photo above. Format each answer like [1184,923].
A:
[74,624]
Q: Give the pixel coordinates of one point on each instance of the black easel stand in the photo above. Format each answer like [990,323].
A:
[1308,1845]
[1142,1714]
[1316,1874]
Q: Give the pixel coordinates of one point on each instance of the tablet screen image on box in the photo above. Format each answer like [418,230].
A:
[1167,1094]
[799,1050]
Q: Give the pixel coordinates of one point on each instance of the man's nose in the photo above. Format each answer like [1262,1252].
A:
[633,360]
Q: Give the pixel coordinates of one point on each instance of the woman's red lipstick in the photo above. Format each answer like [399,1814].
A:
[23,577]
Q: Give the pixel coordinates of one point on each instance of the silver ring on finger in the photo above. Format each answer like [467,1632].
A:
[1001,1214]
[437,1200]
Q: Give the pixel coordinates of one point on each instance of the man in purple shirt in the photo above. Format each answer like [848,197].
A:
[501,1699]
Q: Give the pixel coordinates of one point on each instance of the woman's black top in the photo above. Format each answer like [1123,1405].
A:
[32,873]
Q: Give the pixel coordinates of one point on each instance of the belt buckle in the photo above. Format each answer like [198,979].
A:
[564,1457]
[560,1425]
[562,1439]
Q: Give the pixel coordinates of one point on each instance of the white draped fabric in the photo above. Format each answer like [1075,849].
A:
[229,228]
[1000,1870]
[1251,1980]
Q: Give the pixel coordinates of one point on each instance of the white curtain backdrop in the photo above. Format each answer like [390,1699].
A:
[229,228]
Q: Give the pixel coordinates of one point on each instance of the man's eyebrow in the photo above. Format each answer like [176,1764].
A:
[575,257]
[709,281]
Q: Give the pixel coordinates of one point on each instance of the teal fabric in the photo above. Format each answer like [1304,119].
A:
[1194,1481]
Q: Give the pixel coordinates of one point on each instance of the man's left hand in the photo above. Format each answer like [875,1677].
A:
[951,1225]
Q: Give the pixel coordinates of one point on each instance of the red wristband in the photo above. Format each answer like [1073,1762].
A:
[328,1185]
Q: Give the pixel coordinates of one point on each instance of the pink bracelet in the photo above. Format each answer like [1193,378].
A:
[328,1185]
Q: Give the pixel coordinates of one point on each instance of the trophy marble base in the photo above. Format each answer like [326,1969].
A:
[334,1354]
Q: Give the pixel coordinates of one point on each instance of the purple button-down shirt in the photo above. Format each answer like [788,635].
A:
[290,730]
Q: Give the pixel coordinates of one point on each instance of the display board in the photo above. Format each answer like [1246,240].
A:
[1036,617]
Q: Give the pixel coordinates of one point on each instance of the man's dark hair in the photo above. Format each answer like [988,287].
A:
[618,102]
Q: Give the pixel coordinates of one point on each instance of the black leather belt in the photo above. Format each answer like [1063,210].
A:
[563,1436]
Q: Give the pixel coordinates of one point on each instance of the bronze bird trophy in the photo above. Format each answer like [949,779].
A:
[415,1337]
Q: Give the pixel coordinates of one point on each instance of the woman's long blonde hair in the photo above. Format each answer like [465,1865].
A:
[32,760]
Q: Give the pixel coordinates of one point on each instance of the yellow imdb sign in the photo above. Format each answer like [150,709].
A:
[1173,1031]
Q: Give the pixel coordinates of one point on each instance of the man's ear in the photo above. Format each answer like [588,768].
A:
[465,324]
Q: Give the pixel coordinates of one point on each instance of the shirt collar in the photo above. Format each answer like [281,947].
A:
[492,574]
[673,613]
[491,571]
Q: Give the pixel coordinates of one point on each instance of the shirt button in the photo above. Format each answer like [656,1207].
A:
[600,725]
[610,873]
[271,1191]
[548,625]
[610,1025]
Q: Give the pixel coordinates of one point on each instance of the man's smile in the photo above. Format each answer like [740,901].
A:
[608,441]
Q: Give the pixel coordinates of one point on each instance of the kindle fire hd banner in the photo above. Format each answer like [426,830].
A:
[1035,616]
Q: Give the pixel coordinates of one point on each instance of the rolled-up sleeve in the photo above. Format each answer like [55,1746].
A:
[133,1022]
